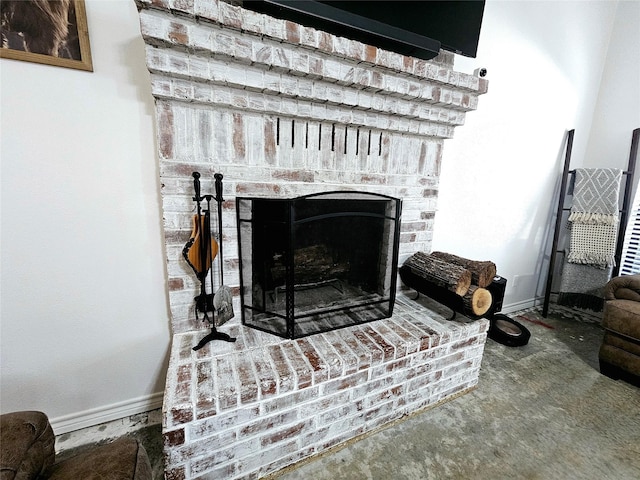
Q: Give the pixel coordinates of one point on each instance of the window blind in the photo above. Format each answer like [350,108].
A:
[630,262]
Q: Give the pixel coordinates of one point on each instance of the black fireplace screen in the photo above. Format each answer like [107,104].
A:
[318,262]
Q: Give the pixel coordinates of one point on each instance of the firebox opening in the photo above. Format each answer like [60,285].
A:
[319,262]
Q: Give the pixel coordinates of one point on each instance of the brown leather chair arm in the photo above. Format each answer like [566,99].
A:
[625,287]
[27,445]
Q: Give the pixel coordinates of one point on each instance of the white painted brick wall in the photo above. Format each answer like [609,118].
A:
[284,110]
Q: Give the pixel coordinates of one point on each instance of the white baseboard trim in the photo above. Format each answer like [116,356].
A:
[522,305]
[106,413]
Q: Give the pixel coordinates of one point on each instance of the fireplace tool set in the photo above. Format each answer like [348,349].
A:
[199,252]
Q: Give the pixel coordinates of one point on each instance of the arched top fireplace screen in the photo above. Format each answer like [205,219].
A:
[318,262]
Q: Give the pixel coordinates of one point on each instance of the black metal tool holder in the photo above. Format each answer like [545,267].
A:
[204,301]
[452,300]
[449,299]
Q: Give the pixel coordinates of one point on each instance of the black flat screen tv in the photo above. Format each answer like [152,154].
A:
[414,28]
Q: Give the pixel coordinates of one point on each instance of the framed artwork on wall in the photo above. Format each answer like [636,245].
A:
[52,32]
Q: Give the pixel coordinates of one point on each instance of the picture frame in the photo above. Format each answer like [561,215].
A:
[56,33]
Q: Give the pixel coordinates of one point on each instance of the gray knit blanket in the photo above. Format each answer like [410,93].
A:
[582,286]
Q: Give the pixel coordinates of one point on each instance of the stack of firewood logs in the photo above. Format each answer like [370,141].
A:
[457,282]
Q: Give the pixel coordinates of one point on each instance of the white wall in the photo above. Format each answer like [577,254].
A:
[85,326]
[501,172]
[617,111]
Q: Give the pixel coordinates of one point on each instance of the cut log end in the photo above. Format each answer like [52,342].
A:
[478,300]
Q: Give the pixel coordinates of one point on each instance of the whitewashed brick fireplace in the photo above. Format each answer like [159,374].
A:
[282,111]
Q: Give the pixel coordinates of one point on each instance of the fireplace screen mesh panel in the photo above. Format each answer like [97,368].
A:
[318,262]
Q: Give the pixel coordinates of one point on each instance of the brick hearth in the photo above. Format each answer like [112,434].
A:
[282,110]
[250,408]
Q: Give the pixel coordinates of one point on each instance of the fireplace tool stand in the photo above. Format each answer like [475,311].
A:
[199,252]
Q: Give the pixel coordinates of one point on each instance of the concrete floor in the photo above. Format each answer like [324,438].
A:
[542,411]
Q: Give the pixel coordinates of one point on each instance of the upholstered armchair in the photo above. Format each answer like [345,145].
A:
[27,453]
[620,351]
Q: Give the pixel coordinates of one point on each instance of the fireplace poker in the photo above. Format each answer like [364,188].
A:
[218,186]
[222,300]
